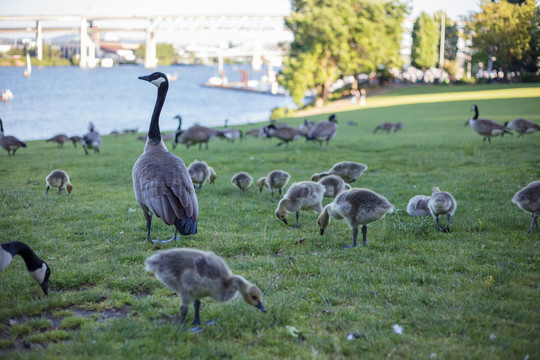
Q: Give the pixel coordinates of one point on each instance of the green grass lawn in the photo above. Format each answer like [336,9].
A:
[470,294]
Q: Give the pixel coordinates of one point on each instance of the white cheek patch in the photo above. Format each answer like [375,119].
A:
[5,259]
[158,81]
[39,274]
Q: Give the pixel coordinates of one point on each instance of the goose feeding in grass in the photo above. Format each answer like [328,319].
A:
[442,203]
[285,133]
[333,185]
[486,127]
[276,179]
[38,269]
[195,274]
[196,134]
[58,179]
[528,199]
[10,143]
[324,130]
[242,180]
[60,139]
[75,139]
[418,206]
[385,126]
[305,195]
[349,171]
[357,207]
[522,126]
[397,126]
[92,140]
[199,171]
[161,181]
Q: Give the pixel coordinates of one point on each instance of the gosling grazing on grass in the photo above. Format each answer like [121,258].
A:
[441,203]
[197,134]
[276,179]
[357,207]
[92,140]
[199,171]
[333,185]
[486,127]
[58,179]
[242,180]
[37,268]
[418,206]
[522,126]
[324,130]
[305,195]
[10,143]
[528,199]
[161,182]
[347,170]
[194,274]
[60,139]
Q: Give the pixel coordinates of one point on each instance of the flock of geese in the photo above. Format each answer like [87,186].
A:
[164,187]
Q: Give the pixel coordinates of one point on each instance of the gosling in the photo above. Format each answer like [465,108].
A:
[276,179]
[418,206]
[441,203]
[333,185]
[194,274]
[528,199]
[357,207]
[58,179]
[199,171]
[305,195]
[347,170]
[242,180]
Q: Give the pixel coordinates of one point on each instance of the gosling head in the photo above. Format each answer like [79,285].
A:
[213,176]
[253,296]
[261,183]
[435,190]
[281,211]
[69,187]
[323,220]
[315,177]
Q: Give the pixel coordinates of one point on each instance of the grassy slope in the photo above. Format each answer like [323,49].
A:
[450,292]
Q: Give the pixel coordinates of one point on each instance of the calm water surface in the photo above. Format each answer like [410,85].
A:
[65,99]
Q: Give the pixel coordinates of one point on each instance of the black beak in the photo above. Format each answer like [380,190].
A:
[285,221]
[322,231]
[145,77]
[45,287]
[261,307]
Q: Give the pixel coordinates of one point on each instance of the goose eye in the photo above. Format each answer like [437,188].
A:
[254,297]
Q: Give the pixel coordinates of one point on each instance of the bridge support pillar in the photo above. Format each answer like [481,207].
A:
[256,62]
[39,41]
[150,58]
[88,48]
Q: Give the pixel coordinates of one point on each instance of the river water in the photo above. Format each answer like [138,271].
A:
[64,100]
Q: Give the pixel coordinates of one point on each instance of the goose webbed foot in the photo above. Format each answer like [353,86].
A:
[174,238]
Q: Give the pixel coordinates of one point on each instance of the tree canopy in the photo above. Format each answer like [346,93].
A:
[425,45]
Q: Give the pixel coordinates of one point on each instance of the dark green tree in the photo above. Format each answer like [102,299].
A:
[425,46]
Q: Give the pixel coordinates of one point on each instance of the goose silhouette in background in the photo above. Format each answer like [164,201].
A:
[60,139]
[324,130]
[75,139]
[92,140]
[10,143]
[285,133]
[161,182]
[522,126]
[37,268]
[486,127]
[197,134]
[178,131]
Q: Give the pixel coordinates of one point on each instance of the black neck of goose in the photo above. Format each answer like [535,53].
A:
[475,113]
[32,261]
[154,133]
[1,126]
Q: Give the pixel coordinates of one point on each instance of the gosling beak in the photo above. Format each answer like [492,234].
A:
[322,231]
[261,307]
[45,287]
[285,221]
[145,77]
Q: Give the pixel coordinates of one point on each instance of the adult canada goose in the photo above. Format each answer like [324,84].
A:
[440,203]
[60,139]
[115,133]
[333,185]
[397,126]
[306,126]
[284,133]
[178,131]
[194,274]
[75,139]
[242,180]
[257,132]
[418,206]
[276,179]
[199,171]
[10,143]
[522,126]
[357,207]
[349,171]
[38,269]
[305,195]
[161,181]
[92,140]
[197,134]
[324,130]
[58,179]
[385,126]
[486,127]
[528,199]
[232,134]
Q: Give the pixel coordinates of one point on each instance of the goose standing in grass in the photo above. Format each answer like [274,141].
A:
[397,126]
[441,203]
[60,139]
[357,207]
[38,269]
[75,139]
[522,126]
[92,140]
[486,127]
[242,180]
[284,133]
[194,274]
[197,134]
[349,171]
[324,130]
[385,126]
[161,181]
[199,171]
[333,185]
[305,195]
[528,199]
[276,179]
[232,134]
[178,131]
[10,143]
[58,179]
[306,126]
[418,206]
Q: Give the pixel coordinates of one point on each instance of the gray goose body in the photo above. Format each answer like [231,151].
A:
[522,126]
[349,171]
[161,182]
[385,126]
[75,139]
[305,195]
[200,172]
[333,185]
[323,131]
[442,203]
[10,143]
[528,199]
[58,179]
[60,139]
[486,127]
[418,206]
[37,268]
[197,134]
[285,133]
[242,180]
[91,140]
[276,179]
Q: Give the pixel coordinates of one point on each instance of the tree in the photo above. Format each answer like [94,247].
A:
[425,36]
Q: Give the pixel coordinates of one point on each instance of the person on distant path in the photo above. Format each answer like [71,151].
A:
[363,97]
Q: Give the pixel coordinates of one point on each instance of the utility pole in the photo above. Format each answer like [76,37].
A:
[441,48]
